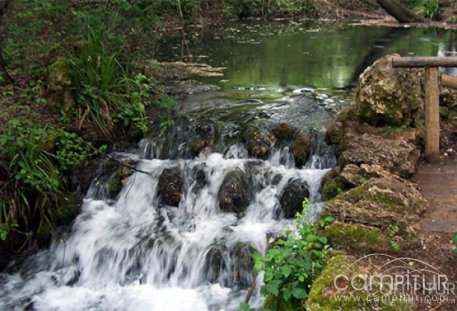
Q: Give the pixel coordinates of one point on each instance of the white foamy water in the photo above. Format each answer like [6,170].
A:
[135,253]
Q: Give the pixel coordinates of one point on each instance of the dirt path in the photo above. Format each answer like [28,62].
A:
[438,184]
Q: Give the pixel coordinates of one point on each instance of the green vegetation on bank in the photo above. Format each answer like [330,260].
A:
[292,264]
[76,88]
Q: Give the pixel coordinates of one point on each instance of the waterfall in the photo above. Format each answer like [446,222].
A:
[136,253]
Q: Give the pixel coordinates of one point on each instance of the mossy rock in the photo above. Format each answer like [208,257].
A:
[325,295]
[301,148]
[357,237]
[59,93]
[338,180]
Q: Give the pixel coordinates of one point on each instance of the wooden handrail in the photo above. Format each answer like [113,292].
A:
[424,62]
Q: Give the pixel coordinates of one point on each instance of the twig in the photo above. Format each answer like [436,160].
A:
[127,165]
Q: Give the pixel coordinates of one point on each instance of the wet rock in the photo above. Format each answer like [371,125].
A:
[233,194]
[243,264]
[395,155]
[292,197]
[390,96]
[301,148]
[258,142]
[170,186]
[215,263]
[117,174]
[283,131]
[59,92]
[207,135]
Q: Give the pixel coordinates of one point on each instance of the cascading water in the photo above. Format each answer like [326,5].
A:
[137,253]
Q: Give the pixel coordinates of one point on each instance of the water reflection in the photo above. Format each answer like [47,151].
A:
[326,58]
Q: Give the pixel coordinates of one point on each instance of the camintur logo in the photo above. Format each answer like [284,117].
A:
[394,280]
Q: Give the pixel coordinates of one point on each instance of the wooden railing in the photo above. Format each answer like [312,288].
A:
[432,96]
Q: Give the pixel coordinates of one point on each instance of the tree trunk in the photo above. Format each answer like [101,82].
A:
[400,13]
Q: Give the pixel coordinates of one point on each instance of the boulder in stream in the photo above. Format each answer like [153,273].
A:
[233,194]
[206,137]
[258,142]
[170,186]
[301,148]
[292,197]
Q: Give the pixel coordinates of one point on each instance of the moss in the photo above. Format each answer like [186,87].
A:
[357,237]
[326,297]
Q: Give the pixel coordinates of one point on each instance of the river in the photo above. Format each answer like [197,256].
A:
[134,251]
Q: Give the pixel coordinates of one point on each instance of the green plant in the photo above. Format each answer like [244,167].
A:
[427,8]
[292,263]
[392,231]
[166,104]
[71,150]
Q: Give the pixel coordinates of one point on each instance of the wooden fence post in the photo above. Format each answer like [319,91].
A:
[432,114]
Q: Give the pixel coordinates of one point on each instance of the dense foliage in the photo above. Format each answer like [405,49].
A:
[292,263]
[427,8]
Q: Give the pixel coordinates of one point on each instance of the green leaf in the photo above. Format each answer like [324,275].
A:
[299,293]
[286,270]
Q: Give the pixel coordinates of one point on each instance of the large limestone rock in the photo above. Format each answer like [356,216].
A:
[339,180]
[170,186]
[233,194]
[380,209]
[390,96]
[292,197]
[395,155]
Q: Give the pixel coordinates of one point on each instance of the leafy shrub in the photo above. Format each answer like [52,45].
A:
[31,166]
[292,263]
[427,8]
[106,93]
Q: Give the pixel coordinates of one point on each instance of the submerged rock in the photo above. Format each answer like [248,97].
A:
[258,142]
[233,194]
[390,96]
[301,148]
[170,186]
[292,197]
